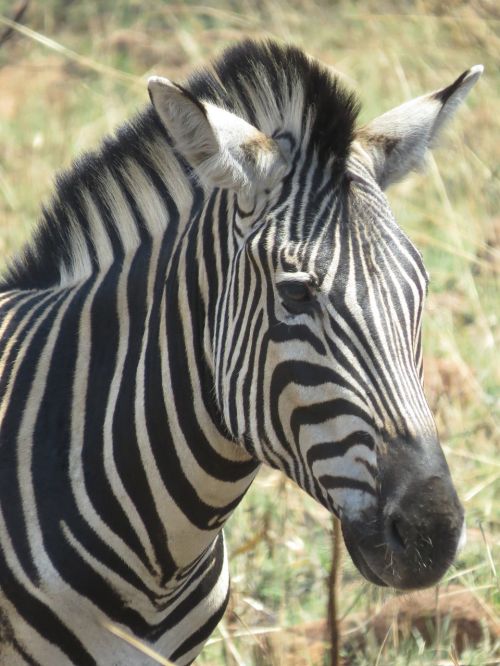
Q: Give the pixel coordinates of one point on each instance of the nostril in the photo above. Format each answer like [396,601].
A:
[394,536]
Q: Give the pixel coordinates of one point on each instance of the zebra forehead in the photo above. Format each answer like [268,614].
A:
[279,88]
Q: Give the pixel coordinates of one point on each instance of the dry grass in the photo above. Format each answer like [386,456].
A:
[79,69]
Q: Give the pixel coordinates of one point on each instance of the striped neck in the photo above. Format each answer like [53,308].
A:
[131,193]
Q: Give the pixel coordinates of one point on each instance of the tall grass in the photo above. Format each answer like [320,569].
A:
[80,70]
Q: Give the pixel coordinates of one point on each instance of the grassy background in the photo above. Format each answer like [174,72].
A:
[82,71]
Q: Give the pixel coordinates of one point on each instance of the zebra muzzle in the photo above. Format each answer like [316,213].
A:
[411,538]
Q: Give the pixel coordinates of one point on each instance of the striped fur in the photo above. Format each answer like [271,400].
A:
[153,352]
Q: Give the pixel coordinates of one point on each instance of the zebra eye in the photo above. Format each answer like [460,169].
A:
[297,295]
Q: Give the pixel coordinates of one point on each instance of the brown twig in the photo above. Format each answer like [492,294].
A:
[19,10]
[333,588]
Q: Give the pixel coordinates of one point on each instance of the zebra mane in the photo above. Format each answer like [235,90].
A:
[276,88]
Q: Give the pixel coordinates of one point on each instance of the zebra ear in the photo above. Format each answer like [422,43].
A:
[395,142]
[224,149]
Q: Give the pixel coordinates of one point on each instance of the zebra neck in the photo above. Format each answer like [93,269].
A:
[133,192]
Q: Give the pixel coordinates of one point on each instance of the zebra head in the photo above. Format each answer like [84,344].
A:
[314,296]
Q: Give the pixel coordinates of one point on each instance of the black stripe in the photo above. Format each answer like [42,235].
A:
[332,482]
[42,618]
[334,449]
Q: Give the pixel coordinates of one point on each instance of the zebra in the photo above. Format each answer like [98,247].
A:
[220,285]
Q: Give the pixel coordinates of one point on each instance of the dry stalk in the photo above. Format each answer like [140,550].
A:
[137,644]
[334,579]
[18,11]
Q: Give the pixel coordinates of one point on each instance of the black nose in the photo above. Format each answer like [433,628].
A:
[414,537]
[422,527]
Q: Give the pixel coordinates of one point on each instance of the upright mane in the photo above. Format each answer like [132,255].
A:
[278,86]
[274,87]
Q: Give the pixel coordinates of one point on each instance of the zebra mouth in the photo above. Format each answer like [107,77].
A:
[399,555]
[359,560]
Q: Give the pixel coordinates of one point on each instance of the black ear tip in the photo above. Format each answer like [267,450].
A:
[444,95]
[470,76]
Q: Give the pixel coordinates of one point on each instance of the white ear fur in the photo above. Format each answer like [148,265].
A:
[395,142]
[224,149]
